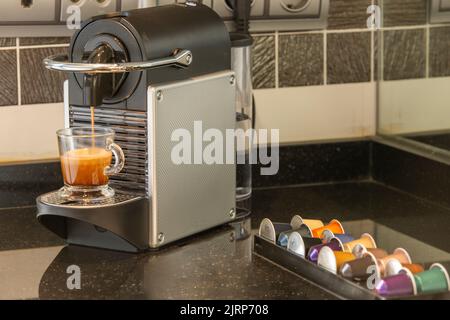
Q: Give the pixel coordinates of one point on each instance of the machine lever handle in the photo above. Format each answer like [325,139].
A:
[181,59]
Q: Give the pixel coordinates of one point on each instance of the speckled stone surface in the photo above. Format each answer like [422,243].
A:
[421,176]
[316,163]
[19,229]
[21,184]
[217,264]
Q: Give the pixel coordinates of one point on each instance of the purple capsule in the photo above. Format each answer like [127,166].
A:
[313,254]
[401,284]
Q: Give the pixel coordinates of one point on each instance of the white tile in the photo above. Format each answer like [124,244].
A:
[416,105]
[318,112]
[29,132]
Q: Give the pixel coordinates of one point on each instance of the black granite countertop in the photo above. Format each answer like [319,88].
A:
[217,264]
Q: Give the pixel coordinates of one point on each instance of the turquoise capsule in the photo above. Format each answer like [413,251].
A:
[434,280]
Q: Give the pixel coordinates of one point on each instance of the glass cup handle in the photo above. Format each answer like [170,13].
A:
[119,161]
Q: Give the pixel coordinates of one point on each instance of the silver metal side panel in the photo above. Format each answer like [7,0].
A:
[188,198]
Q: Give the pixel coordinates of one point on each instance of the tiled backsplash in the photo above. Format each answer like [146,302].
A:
[341,54]
[312,58]
[412,48]
[310,73]
[344,53]
[24,80]
[347,51]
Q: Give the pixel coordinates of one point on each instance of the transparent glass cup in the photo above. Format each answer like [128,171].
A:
[86,155]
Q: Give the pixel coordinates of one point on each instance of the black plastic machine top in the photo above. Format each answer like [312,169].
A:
[185,41]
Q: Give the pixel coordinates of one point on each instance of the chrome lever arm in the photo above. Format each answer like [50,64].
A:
[182,59]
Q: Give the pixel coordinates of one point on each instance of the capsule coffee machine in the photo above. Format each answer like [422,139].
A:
[149,72]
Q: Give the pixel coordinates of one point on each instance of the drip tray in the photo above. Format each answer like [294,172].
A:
[386,238]
[54,198]
[117,223]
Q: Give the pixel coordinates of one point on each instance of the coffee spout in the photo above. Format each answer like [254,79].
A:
[98,86]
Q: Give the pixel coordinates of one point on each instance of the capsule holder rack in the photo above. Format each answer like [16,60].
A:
[326,280]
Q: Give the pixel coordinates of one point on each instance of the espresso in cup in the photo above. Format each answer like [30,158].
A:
[86,155]
[86,167]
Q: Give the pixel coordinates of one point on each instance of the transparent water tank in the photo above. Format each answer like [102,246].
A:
[241,65]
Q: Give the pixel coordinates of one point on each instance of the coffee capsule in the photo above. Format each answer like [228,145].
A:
[298,226]
[394,266]
[334,244]
[359,250]
[295,244]
[305,231]
[361,268]
[297,221]
[413,267]
[283,237]
[366,240]
[300,245]
[327,235]
[434,280]
[334,226]
[399,254]
[270,230]
[333,260]
[399,285]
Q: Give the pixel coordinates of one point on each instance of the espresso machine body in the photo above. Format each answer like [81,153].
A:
[148,73]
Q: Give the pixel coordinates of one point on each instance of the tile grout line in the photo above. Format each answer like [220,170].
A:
[372,121]
[352,30]
[39,46]
[418,26]
[381,55]
[293,33]
[372,57]
[19,84]
[263,34]
[43,46]
[325,58]
[277,77]
[8,48]
[427,52]
[372,51]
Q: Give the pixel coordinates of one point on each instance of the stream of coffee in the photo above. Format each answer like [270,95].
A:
[93,125]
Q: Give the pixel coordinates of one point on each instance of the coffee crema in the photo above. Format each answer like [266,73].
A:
[85,167]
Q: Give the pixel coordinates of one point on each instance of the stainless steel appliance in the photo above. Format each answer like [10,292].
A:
[149,72]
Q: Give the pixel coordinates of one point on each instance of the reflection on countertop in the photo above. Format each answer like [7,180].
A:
[217,264]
